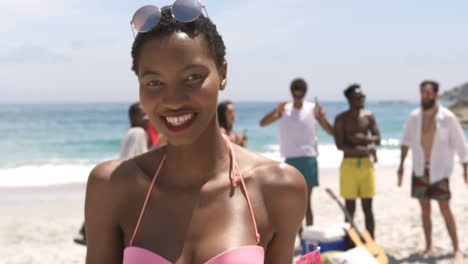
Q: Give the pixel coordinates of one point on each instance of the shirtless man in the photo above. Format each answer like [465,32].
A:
[351,132]
[434,134]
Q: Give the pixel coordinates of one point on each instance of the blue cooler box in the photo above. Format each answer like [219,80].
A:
[327,237]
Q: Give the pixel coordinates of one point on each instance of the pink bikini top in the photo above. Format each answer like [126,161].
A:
[253,254]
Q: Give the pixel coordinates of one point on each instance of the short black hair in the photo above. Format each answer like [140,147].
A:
[434,84]
[222,107]
[168,25]
[351,89]
[298,84]
[134,110]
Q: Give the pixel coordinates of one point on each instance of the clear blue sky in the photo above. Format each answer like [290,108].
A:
[79,50]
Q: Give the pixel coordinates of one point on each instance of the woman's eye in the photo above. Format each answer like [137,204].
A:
[154,83]
[194,77]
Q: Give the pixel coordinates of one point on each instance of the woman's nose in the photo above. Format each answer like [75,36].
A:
[175,97]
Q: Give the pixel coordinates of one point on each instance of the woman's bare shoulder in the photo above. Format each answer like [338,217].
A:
[282,187]
[111,171]
[113,176]
[270,173]
[104,170]
[119,170]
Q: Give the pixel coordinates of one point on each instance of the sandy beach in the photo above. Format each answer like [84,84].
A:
[39,223]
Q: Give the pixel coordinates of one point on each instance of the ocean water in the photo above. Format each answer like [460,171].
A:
[44,144]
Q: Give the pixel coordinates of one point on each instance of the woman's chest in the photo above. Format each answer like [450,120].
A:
[188,226]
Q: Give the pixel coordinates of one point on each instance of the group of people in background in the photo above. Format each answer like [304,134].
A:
[299,121]
[432,132]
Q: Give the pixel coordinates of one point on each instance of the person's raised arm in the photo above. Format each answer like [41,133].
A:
[103,234]
[273,115]
[320,115]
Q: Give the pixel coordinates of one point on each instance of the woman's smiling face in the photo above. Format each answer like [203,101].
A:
[179,85]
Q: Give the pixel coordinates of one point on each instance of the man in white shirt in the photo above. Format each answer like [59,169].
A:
[434,135]
[298,135]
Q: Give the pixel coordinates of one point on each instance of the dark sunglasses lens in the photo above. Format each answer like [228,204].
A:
[146,18]
[298,95]
[186,10]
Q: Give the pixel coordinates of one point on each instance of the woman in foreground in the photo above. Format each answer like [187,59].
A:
[198,199]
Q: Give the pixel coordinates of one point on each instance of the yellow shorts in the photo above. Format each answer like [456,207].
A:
[357,178]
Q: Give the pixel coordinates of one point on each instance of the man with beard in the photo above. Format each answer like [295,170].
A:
[356,134]
[434,134]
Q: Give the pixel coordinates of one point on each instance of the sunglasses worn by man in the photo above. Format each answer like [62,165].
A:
[358,96]
[147,17]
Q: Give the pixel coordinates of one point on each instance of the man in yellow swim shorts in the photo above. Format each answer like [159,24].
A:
[356,134]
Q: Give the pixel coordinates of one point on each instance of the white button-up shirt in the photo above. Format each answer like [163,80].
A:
[448,139]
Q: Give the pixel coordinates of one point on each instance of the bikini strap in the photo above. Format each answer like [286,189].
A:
[257,234]
[146,200]
[234,169]
[232,173]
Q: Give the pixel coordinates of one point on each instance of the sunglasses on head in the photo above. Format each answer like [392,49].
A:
[147,17]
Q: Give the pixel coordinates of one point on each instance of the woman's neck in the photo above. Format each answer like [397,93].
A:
[194,164]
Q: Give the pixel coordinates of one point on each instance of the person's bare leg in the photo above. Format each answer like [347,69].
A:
[451,227]
[427,225]
[350,207]
[369,215]
[309,214]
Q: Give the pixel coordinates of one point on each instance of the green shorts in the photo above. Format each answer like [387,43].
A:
[308,167]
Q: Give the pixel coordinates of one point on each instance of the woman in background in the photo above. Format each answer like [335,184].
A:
[226,119]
